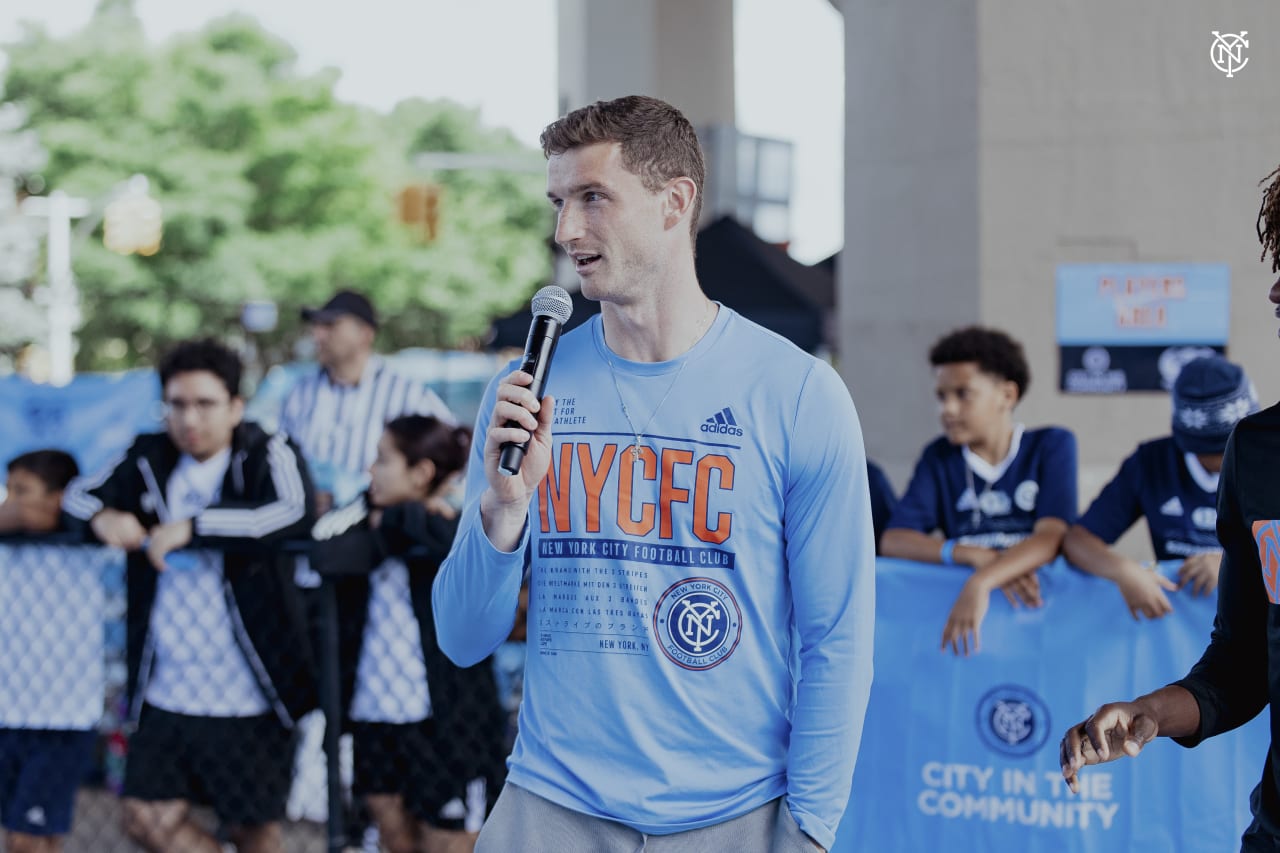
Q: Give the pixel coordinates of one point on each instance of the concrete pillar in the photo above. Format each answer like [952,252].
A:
[989,141]
[910,265]
[678,50]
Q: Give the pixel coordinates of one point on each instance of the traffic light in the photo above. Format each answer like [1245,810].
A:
[420,209]
[132,224]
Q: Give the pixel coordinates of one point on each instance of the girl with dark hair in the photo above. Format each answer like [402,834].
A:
[428,735]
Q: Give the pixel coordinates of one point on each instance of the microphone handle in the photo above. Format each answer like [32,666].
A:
[544,334]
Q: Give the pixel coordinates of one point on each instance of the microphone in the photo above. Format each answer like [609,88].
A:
[551,309]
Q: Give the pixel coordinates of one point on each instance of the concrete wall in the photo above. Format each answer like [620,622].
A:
[989,141]
[677,50]
[910,265]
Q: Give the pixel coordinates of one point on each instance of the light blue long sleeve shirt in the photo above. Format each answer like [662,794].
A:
[700,613]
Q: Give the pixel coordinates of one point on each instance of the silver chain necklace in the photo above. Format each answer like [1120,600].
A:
[626,413]
[975,512]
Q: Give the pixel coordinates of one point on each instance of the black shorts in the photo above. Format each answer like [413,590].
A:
[406,759]
[241,766]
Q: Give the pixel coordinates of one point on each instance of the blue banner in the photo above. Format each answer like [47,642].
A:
[961,754]
[93,418]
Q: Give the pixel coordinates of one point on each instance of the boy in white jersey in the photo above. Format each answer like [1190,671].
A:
[699,538]
[219,666]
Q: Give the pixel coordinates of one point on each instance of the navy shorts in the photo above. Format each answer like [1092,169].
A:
[241,766]
[40,771]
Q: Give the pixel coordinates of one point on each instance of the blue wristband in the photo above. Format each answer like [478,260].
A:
[945,555]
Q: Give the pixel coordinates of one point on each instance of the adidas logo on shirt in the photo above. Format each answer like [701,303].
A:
[1173,506]
[35,816]
[722,423]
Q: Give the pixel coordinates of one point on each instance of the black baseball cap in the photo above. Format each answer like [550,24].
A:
[343,302]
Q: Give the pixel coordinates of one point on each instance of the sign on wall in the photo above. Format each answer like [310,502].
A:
[1131,327]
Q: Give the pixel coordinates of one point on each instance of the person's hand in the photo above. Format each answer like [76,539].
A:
[1114,731]
[118,529]
[1024,590]
[1201,572]
[324,502]
[531,421]
[1144,591]
[439,506]
[964,622]
[166,538]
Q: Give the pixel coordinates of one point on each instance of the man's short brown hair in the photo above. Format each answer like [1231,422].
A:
[658,143]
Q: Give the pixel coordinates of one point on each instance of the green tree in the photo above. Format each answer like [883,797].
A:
[271,188]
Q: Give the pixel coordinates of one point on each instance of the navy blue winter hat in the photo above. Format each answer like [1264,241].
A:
[1209,396]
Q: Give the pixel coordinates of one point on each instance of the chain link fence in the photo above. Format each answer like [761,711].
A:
[422,747]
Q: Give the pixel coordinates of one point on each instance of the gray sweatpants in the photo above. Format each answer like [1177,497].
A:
[523,822]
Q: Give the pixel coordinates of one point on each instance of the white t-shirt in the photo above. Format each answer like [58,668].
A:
[199,669]
[391,676]
[51,636]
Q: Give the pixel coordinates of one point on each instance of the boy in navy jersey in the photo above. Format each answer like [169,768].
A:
[1001,495]
[47,717]
[1173,482]
[1236,677]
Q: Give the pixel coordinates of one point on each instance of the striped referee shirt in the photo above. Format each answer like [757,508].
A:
[341,424]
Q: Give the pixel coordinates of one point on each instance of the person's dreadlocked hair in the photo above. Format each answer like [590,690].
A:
[1269,219]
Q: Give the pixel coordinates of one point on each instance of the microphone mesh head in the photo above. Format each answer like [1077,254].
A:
[554,302]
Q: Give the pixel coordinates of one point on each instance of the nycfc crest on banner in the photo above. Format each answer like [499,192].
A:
[1013,720]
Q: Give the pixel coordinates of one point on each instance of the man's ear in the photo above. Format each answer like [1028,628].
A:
[678,197]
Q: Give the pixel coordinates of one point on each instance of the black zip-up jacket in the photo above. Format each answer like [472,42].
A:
[465,707]
[1239,673]
[266,498]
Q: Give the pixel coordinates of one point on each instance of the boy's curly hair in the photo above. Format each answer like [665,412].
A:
[992,350]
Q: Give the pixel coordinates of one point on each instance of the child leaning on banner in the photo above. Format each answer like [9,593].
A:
[429,736]
[51,682]
[1172,482]
[1001,495]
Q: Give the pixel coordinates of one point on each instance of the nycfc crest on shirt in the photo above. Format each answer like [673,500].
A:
[1025,495]
[697,623]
